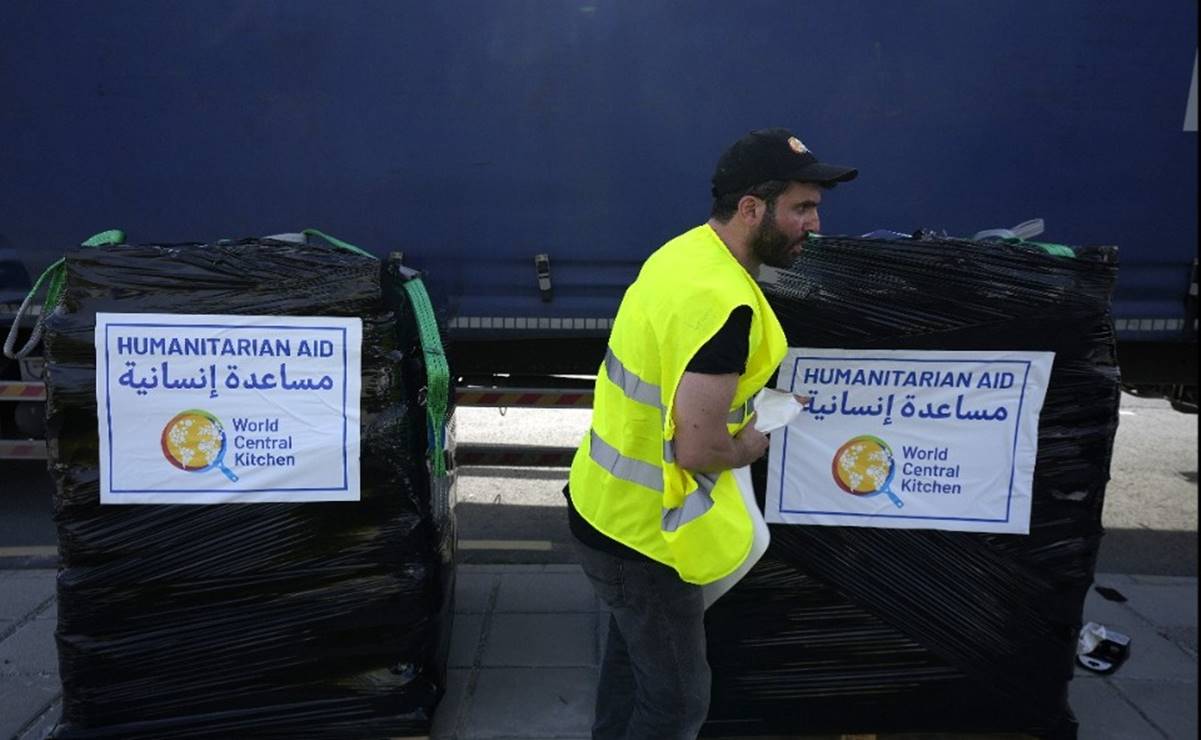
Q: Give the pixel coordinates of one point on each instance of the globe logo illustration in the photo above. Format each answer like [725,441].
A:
[864,466]
[195,441]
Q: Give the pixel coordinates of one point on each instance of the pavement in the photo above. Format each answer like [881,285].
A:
[527,640]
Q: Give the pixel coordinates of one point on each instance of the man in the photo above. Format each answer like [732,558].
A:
[651,500]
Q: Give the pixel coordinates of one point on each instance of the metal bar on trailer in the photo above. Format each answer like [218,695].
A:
[16,390]
[22,449]
[559,398]
[513,456]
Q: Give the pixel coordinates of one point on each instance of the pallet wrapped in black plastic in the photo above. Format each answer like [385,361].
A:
[849,629]
[327,619]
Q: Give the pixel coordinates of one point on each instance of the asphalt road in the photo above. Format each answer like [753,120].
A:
[517,514]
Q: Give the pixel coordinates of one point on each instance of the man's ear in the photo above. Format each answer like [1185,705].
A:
[750,208]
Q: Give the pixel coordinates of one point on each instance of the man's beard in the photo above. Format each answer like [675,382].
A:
[771,246]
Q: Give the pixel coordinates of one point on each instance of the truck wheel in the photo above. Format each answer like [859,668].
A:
[1184,398]
[30,419]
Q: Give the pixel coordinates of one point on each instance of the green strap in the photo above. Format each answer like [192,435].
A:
[55,272]
[57,275]
[338,242]
[437,382]
[437,372]
[104,239]
[1055,250]
[59,279]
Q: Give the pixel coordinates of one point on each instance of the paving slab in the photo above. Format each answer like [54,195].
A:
[1185,637]
[446,718]
[24,591]
[1165,605]
[23,699]
[473,591]
[1172,707]
[558,640]
[45,723]
[546,592]
[465,640]
[563,568]
[530,703]
[30,651]
[1104,714]
[1112,580]
[504,568]
[1158,580]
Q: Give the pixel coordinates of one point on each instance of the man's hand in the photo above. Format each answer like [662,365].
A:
[751,443]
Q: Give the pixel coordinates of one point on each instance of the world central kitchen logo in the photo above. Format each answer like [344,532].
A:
[865,467]
[195,441]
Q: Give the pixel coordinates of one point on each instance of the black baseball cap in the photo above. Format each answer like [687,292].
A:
[772,154]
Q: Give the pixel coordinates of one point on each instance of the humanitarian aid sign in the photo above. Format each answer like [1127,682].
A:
[909,439]
[202,409]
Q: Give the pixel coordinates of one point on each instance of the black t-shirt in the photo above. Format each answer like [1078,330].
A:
[724,353]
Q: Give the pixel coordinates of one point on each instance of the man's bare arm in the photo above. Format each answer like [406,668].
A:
[702,442]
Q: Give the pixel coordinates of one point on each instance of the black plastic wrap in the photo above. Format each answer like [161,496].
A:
[849,629]
[326,619]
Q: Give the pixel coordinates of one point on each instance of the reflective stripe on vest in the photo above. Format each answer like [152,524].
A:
[643,391]
[626,468]
[630,384]
[695,504]
[651,476]
[643,473]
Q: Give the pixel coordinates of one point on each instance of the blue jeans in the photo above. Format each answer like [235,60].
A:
[654,678]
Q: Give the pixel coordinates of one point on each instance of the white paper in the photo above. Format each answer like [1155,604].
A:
[909,439]
[773,410]
[204,409]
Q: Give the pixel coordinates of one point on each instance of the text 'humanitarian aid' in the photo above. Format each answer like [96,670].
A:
[909,439]
[202,409]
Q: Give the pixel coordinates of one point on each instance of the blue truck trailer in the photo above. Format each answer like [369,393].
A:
[527,155]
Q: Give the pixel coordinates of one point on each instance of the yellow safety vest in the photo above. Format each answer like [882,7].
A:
[624,479]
